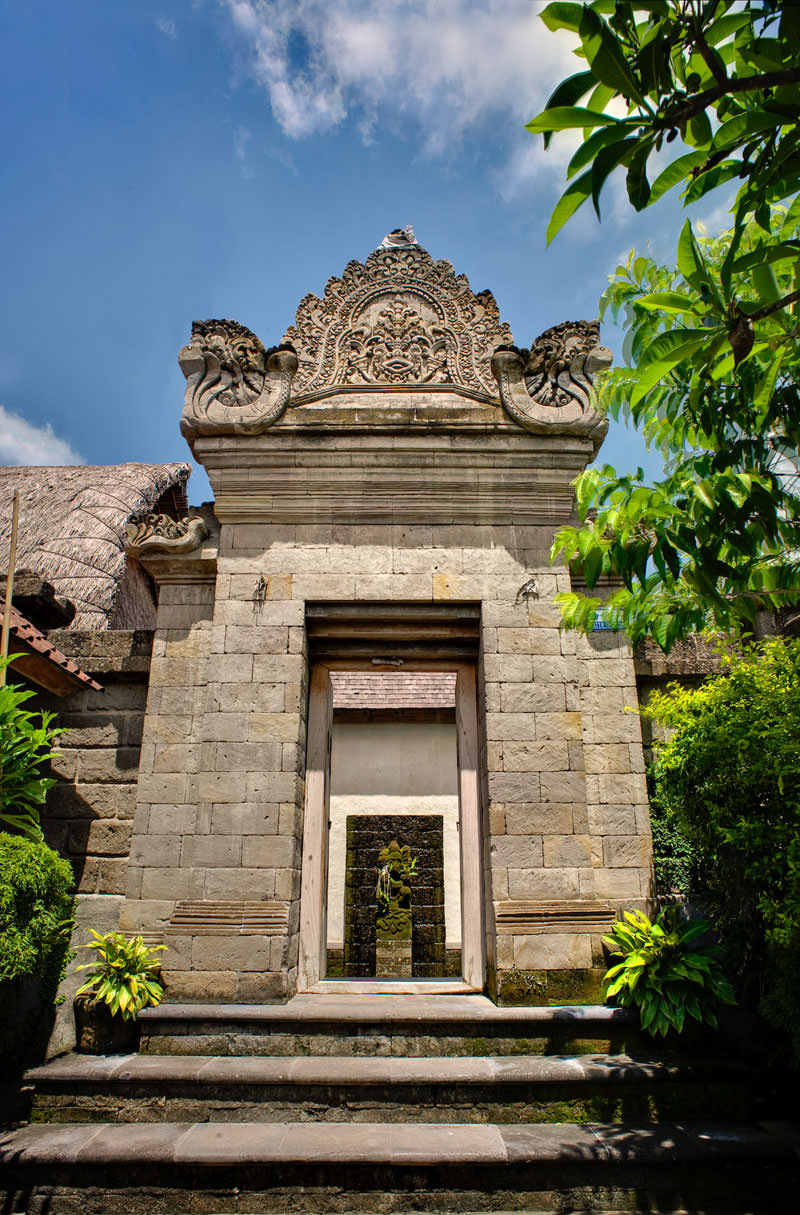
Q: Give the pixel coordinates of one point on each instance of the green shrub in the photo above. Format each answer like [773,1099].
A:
[125,973]
[26,742]
[674,858]
[36,921]
[729,775]
[664,972]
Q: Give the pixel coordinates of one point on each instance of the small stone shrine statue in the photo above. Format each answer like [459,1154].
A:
[393,922]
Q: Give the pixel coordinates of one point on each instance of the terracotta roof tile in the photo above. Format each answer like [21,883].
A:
[36,643]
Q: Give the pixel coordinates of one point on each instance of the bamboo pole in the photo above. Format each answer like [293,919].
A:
[12,561]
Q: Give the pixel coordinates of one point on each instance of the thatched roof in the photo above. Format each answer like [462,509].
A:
[72,531]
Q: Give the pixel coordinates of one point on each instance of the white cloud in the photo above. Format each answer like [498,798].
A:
[23,443]
[167,27]
[433,67]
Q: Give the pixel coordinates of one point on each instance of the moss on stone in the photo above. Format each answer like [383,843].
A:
[550,987]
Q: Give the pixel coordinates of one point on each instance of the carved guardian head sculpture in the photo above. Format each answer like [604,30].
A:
[234,385]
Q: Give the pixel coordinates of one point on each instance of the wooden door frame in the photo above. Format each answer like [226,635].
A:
[312,958]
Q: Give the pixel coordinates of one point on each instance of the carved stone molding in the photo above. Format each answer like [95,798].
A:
[400,320]
[233,384]
[549,386]
[229,917]
[521,916]
[163,534]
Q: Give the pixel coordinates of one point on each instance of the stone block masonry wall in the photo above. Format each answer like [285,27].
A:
[221,791]
[89,813]
[541,844]
[618,814]
[567,799]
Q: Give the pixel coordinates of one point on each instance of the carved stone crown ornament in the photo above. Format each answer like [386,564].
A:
[400,323]
[163,534]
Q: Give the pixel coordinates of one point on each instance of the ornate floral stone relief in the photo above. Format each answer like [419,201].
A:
[401,320]
[233,384]
[163,534]
[550,385]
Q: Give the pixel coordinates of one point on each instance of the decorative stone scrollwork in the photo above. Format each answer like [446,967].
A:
[550,385]
[399,320]
[163,534]
[234,385]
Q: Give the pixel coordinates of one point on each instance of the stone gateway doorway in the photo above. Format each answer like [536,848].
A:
[387,516]
[392,865]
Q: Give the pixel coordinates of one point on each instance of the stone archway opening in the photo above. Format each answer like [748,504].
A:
[392,865]
[394,880]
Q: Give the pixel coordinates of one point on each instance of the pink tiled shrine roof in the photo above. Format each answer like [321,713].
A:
[393,690]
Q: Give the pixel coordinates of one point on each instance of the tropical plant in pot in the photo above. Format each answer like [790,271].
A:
[124,979]
[666,971]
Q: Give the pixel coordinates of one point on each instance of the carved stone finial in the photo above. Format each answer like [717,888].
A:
[163,534]
[234,385]
[550,385]
[399,238]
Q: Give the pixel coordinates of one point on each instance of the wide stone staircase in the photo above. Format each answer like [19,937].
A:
[374,1103]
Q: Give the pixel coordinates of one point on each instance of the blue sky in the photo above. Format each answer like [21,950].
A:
[169,161]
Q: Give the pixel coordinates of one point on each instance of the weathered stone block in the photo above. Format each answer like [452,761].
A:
[539,818]
[517,851]
[161,850]
[612,820]
[535,757]
[171,820]
[613,758]
[222,787]
[552,951]
[624,851]
[211,851]
[531,698]
[510,726]
[244,818]
[567,851]
[269,852]
[239,883]
[176,757]
[163,787]
[616,788]
[559,726]
[225,727]
[562,787]
[620,883]
[543,883]
[105,837]
[204,985]
[508,668]
[246,952]
[508,787]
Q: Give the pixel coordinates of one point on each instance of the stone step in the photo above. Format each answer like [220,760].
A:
[388,1167]
[525,1089]
[442,1025]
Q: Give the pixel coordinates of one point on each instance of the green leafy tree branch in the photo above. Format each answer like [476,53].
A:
[711,346]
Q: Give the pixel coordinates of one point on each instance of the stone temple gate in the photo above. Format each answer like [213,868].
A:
[387,481]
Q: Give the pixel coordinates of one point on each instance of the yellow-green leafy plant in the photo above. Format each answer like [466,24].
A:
[125,974]
[665,972]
